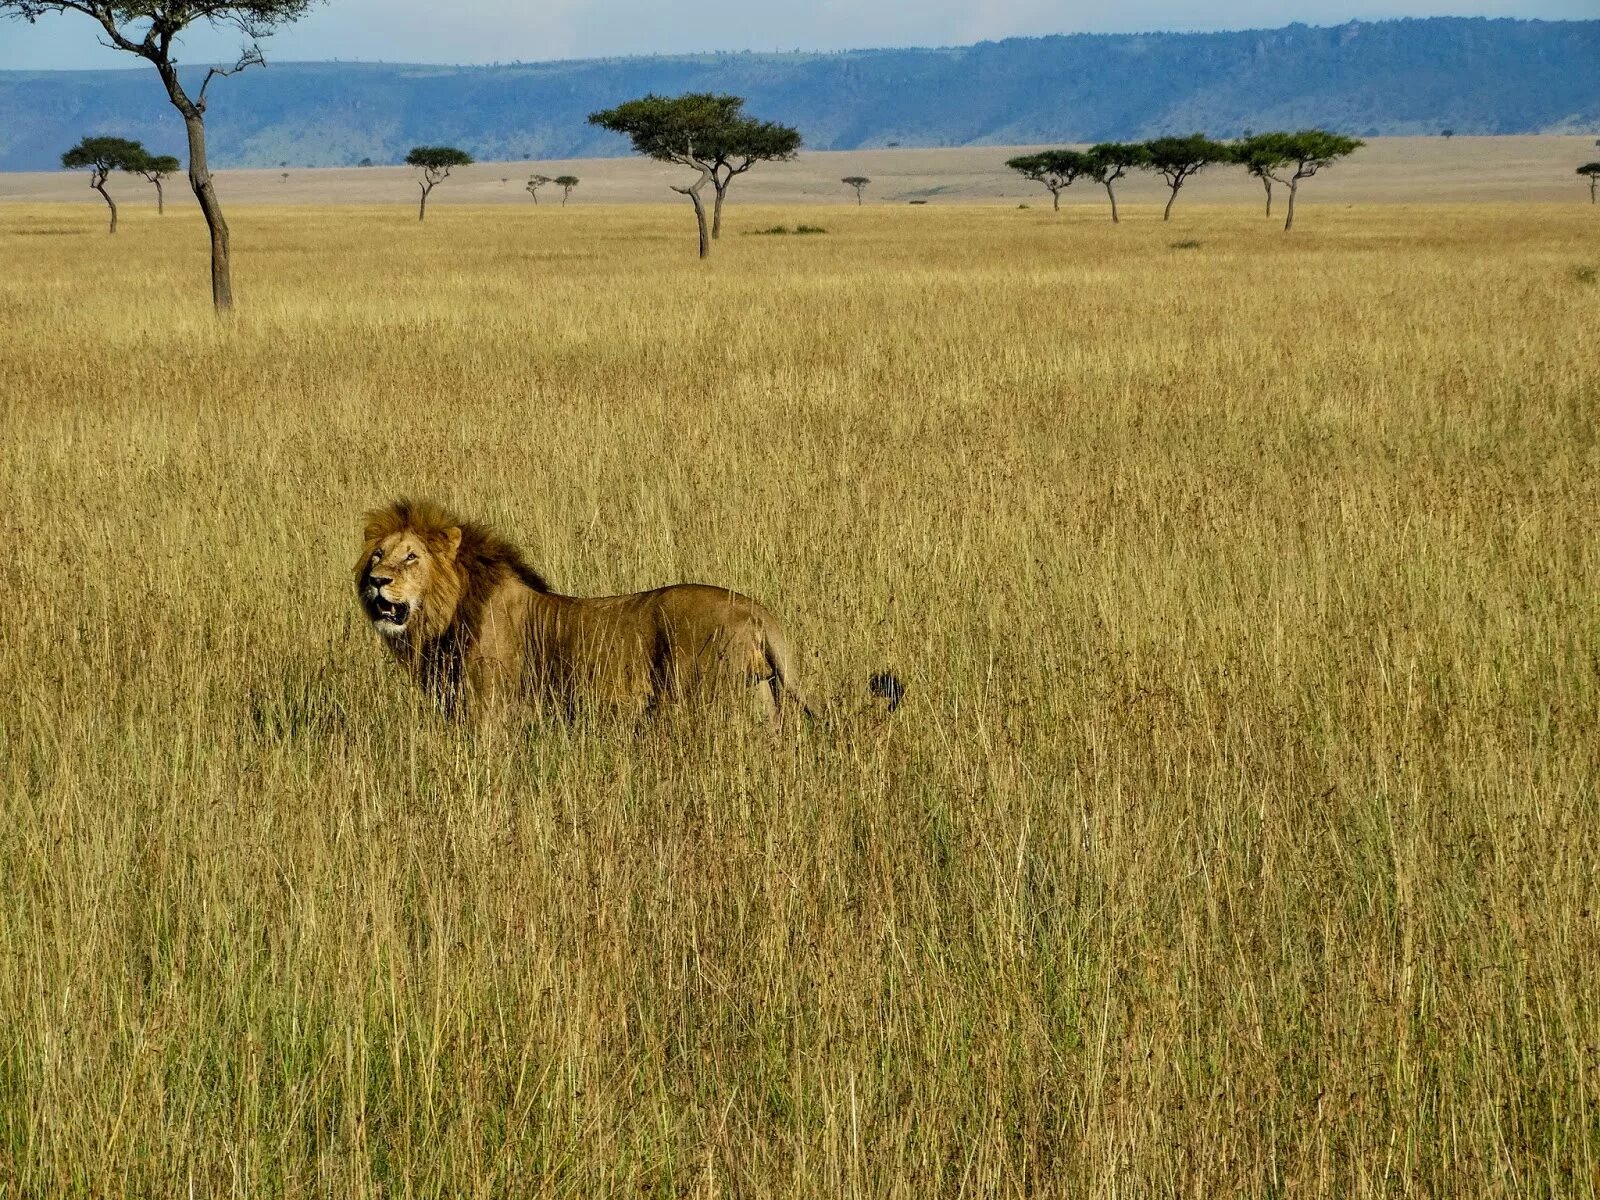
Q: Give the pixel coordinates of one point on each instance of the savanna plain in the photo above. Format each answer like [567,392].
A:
[1236,837]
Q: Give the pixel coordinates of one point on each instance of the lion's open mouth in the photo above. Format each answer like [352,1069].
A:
[387,612]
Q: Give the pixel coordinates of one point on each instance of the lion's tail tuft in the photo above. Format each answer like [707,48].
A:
[886,685]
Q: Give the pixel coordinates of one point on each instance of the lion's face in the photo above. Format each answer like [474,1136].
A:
[396,578]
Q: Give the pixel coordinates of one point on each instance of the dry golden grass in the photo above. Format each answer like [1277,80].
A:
[1237,837]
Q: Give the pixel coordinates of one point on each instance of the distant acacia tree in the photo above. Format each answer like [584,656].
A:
[1108,162]
[151,29]
[1592,170]
[535,182]
[103,155]
[858,182]
[1262,156]
[157,168]
[705,131]
[435,163]
[566,183]
[1177,159]
[1056,169]
[1287,158]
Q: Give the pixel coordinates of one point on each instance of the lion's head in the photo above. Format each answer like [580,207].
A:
[407,577]
[422,569]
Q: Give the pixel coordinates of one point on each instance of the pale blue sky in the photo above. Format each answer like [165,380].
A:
[477,31]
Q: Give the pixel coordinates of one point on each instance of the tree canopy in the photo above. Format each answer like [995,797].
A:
[106,154]
[438,159]
[1107,162]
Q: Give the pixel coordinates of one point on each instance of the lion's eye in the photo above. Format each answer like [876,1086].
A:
[412,557]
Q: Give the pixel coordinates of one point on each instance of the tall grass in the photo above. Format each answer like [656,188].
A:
[1237,836]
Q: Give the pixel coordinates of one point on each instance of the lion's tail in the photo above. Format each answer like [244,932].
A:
[885,685]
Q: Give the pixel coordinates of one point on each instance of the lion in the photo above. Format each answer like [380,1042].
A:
[481,630]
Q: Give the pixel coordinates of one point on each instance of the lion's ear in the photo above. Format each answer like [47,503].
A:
[452,542]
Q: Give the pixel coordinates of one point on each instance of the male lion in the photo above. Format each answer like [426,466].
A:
[479,628]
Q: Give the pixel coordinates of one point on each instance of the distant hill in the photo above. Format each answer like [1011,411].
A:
[1474,76]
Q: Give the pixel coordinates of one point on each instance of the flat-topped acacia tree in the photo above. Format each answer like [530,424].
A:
[157,168]
[103,155]
[1178,159]
[535,182]
[1303,154]
[1056,169]
[566,183]
[749,141]
[859,182]
[1592,170]
[707,132]
[435,163]
[1108,162]
[151,29]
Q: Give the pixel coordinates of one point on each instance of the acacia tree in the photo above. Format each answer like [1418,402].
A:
[1108,162]
[103,155]
[1307,152]
[150,29]
[566,183]
[1262,155]
[748,142]
[1177,159]
[1592,170]
[157,168]
[707,132]
[435,163]
[858,182]
[535,182]
[1056,169]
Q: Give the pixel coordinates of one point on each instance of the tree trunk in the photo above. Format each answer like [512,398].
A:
[1167,214]
[1592,181]
[422,209]
[700,217]
[161,201]
[1055,199]
[716,211]
[98,183]
[1267,183]
[1110,192]
[1294,184]
[194,125]
[1591,195]
[693,192]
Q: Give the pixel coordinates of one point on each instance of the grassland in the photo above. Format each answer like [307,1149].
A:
[1237,837]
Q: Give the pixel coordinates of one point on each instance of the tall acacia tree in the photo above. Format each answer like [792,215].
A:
[157,168]
[859,182]
[1304,154]
[535,182]
[151,29]
[1108,162]
[435,163]
[1178,159]
[747,142]
[1056,169]
[704,131]
[1592,170]
[566,183]
[103,155]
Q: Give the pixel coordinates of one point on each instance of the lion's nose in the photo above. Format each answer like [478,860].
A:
[380,581]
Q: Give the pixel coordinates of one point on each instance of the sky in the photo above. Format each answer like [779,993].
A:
[482,31]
